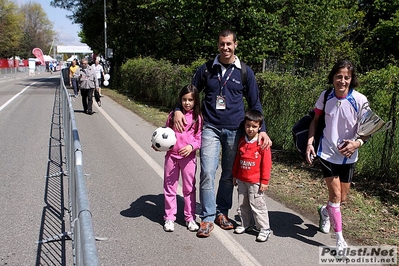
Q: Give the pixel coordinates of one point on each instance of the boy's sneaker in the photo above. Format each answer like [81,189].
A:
[263,235]
[324,223]
[169,226]
[192,226]
[239,230]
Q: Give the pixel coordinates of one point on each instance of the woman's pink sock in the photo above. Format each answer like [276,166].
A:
[334,211]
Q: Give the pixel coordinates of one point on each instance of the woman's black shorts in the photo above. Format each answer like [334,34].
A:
[344,171]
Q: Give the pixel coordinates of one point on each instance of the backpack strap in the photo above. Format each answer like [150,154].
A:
[244,78]
[244,75]
[325,98]
[322,122]
[208,68]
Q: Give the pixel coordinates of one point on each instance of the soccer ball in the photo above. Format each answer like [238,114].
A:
[163,138]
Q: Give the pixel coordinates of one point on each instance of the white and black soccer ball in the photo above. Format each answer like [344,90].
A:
[163,138]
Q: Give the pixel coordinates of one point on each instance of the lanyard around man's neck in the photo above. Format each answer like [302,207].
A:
[225,81]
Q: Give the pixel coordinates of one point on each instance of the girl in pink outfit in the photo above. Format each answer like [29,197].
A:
[182,159]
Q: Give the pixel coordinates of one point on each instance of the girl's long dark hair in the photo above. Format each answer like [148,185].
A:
[196,109]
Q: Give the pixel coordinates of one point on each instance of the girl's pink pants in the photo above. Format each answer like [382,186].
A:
[172,169]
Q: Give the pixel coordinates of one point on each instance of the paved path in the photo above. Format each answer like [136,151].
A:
[124,181]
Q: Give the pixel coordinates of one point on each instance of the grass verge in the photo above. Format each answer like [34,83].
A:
[370,216]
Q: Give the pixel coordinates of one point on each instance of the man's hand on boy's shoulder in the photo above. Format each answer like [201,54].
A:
[264,141]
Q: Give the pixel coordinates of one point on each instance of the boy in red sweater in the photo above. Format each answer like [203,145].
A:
[251,172]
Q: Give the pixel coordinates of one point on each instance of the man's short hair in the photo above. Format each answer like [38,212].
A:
[228,32]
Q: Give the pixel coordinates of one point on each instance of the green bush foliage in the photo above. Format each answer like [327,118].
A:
[155,81]
[380,155]
[285,98]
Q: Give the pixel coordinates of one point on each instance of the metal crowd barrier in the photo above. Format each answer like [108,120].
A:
[83,237]
[19,71]
[13,71]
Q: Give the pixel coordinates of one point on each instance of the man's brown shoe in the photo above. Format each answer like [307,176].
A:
[224,222]
[205,229]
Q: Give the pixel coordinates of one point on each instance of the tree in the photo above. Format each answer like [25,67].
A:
[37,29]
[10,29]
[298,35]
[378,38]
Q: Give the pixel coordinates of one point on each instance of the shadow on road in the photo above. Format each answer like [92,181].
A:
[286,224]
[149,206]
[152,207]
[51,248]
[283,224]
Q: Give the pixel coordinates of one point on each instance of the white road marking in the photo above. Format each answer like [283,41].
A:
[238,251]
[15,96]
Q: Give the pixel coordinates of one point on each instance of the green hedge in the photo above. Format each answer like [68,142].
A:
[154,81]
[380,157]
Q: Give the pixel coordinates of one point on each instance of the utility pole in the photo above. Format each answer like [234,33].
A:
[105,30]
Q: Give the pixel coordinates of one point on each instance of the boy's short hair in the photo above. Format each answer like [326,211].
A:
[253,115]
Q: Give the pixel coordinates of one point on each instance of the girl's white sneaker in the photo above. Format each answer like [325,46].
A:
[169,226]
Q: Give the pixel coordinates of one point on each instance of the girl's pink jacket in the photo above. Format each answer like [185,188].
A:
[187,136]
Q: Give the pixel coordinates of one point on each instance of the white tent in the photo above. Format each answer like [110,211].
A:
[82,49]
[70,59]
[47,58]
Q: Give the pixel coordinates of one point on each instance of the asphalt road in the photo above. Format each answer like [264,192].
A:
[124,181]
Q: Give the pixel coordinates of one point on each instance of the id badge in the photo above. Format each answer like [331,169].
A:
[220,102]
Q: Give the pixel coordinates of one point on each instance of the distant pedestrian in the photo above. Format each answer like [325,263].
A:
[251,172]
[50,67]
[182,159]
[73,78]
[99,74]
[87,83]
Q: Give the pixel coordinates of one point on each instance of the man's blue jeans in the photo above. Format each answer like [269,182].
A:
[212,140]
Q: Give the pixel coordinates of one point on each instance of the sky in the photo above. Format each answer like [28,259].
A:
[67,31]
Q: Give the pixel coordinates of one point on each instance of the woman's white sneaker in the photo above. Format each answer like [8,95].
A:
[341,246]
[169,226]
[324,223]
